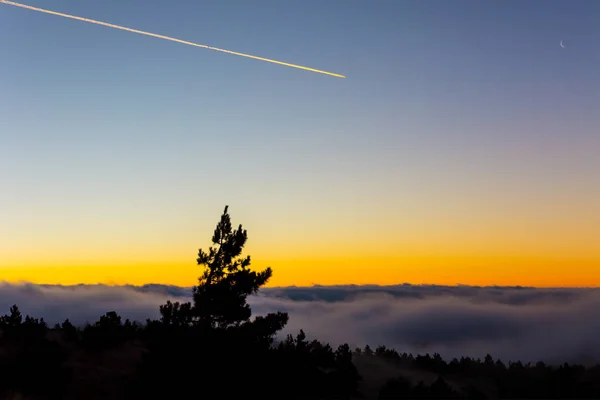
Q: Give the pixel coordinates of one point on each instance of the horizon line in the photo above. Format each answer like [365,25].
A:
[457,285]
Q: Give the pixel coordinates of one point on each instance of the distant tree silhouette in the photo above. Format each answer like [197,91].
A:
[69,331]
[33,329]
[107,332]
[131,330]
[310,369]
[29,357]
[16,329]
[176,314]
[347,375]
[13,319]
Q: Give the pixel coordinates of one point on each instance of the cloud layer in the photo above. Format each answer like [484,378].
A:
[553,325]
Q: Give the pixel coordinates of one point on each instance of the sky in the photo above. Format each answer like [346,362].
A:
[462,148]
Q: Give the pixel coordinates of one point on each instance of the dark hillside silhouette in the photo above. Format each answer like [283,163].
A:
[213,347]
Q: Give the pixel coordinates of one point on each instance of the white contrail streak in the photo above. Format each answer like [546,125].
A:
[235,53]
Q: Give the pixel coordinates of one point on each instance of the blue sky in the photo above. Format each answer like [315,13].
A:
[458,102]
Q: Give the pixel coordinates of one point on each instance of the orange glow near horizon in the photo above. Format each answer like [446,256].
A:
[363,251]
[505,271]
[422,251]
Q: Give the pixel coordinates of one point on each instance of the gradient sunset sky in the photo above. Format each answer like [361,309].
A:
[463,146]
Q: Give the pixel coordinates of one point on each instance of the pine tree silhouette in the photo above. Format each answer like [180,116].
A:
[216,329]
[226,282]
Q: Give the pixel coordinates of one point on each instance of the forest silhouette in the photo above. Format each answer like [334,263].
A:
[212,347]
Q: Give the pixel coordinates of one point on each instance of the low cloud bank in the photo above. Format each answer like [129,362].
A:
[553,325]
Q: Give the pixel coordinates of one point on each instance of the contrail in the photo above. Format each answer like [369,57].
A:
[235,53]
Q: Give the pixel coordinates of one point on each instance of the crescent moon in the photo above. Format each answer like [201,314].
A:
[562,45]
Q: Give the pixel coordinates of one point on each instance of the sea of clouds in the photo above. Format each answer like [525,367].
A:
[529,324]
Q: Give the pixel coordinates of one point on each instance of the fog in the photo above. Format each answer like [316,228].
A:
[552,325]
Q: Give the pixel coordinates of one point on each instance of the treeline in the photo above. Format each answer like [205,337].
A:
[487,378]
[213,348]
[177,360]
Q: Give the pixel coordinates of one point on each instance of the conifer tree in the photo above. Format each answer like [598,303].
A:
[220,297]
